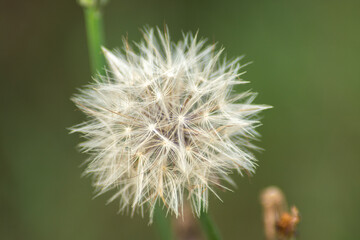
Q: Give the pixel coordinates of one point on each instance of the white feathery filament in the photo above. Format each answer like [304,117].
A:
[164,123]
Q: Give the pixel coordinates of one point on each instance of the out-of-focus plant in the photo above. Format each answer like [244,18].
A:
[278,222]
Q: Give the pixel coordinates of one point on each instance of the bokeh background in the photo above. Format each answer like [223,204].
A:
[306,58]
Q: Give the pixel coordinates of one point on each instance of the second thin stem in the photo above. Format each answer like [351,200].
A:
[212,233]
[95,37]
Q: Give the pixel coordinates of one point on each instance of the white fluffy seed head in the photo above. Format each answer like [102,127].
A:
[163,124]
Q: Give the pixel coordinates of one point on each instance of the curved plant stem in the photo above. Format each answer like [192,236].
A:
[163,225]
[95,34]
[212,233]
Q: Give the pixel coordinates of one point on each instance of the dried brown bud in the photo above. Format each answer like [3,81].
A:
[278,223]
[286,225]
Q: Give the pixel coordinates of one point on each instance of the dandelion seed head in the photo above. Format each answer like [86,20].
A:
[165,124]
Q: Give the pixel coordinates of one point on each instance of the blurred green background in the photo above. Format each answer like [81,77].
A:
[306,64]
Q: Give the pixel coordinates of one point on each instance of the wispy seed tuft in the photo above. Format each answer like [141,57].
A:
[164,123]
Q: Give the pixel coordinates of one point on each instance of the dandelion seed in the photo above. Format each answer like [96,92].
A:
[164,124]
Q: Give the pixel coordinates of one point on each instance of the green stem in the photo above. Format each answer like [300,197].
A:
[163,225]
[209,227]
[95,34]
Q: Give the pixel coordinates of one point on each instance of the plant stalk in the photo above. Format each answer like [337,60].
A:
[212,233]
[95,34]
[163,225]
